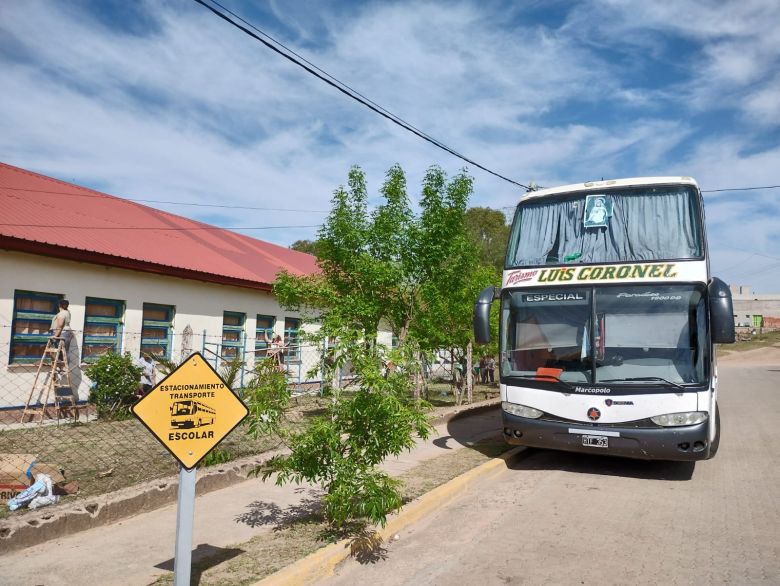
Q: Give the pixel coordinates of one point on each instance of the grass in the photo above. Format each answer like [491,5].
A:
[105,456]
[296,536]
[758,341]
[440,393]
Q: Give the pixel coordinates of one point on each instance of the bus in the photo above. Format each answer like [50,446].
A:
[608,321]
[191,414]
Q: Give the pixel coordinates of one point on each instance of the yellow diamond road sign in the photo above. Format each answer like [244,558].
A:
[191,410]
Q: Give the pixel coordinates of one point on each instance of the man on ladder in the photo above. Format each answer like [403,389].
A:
[59,376]
[60,325]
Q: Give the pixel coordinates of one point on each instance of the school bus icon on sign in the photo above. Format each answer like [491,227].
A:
[191,410]
[191,414]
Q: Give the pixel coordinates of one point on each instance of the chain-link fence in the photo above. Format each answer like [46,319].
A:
[55,419]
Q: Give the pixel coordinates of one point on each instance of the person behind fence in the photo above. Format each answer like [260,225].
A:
[275,349]
[60,324]
[483,369]
[490,367]
[147,366]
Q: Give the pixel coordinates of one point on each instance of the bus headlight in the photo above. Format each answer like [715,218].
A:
[521,410]
[678,419]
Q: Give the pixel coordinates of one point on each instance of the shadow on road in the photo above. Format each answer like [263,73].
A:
[204,556]
[261,513]
[536,459]
[480,431]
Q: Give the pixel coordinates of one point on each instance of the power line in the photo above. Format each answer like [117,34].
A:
[346,90]
[182,203]
[161,228]
[269,209]
[741,189]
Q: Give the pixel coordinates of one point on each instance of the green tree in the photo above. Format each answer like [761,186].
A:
[115,381]
[380,266]
[307,246]
[489,232]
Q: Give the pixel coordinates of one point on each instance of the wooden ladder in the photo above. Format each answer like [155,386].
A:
[56,379]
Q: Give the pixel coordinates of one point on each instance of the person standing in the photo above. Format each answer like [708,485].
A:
[490,366]
[148,372]
[60,324]
[483,375]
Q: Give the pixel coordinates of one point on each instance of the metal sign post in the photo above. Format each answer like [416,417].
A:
[190,411]
[182,563]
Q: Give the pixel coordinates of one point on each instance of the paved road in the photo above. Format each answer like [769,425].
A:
[557,518]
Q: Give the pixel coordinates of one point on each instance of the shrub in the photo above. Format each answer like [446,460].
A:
[115,381]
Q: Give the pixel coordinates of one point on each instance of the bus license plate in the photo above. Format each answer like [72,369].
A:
[596,441]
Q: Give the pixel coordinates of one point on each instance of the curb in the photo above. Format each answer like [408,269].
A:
[322,563]
[36,527]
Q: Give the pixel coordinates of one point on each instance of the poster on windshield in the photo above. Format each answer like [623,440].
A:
[598,210]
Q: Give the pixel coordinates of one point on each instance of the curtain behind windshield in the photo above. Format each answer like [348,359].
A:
[643,227]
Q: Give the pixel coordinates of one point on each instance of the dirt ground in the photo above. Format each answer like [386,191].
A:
[766,355]
[299,533]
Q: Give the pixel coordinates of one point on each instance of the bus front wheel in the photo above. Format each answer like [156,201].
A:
[716,440]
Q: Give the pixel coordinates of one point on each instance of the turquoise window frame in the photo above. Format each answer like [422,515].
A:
[166,326]
[260,344]
[292,328]
[38,340]
[116,321]
[239,328]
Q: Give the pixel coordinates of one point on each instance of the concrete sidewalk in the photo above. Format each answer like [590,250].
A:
[139,549]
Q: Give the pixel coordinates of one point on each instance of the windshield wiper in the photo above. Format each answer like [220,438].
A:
[644,378]
[542,377]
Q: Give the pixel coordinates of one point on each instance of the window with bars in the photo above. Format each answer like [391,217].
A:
[157,330]
[102,327]
[292,326]
[33,312]
[263,329]
[232,334]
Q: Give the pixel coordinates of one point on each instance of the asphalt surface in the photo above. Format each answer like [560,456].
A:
[559,518]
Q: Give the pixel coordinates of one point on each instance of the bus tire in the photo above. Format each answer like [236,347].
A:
[716,441]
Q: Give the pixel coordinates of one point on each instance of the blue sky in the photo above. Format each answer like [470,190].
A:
[163,101]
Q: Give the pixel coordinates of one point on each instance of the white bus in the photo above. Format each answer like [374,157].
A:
[608,321]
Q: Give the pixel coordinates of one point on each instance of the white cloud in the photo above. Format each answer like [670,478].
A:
[197,111]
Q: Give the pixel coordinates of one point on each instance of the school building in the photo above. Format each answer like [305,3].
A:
[138,280]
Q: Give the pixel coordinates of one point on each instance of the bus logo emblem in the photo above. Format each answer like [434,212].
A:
[593,414]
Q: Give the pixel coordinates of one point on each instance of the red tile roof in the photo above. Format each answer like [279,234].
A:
[108,230]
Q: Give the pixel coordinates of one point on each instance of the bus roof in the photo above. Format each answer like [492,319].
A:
[608,183]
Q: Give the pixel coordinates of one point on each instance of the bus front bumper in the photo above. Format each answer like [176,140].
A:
[686,443]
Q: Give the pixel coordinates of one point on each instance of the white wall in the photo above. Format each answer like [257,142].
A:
[198,305]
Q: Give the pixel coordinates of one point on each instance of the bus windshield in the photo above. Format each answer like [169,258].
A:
[659,222]
[613,335]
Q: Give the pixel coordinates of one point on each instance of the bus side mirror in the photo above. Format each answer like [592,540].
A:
[482,314]
[721,312]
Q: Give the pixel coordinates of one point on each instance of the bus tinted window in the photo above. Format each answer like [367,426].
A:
[630,224]
[606,335]
[547,330]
